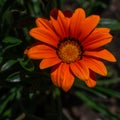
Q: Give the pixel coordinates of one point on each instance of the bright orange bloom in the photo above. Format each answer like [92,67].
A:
[72,45]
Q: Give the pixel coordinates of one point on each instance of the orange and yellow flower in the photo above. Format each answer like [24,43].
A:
[72,45]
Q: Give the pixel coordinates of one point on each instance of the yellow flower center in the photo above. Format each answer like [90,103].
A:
[69,50]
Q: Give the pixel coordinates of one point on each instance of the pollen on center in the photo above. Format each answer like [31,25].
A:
[69,51]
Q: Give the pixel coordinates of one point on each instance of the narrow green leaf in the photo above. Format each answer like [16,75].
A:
[96,106]
[62,3]
[80,84]
[10,42]
[108,91]
[7,113]
[26,64]
[8,64]
[6,101]
[109,81]
[109,23]
[14,77]
[1,59]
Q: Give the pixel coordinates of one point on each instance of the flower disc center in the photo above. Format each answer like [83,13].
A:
[69,50]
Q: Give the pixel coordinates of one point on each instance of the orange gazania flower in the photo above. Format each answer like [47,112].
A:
[72,45]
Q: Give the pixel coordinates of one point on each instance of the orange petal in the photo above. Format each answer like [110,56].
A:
[80,70]
[91,82]
[97,39]
[96,34]
[41,22]
[45,35]
[64,23]
[88,26]
[103,53]
[102,30]
[62,77]
[56,75]
[76,22]
[26,51]
[95,65]
[60,24]
[45,63]
[41,51]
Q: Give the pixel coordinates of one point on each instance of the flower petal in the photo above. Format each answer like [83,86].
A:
[45,63]
[26,51]
[76,22]
[102,30]
[45,35]
[91,82]
[62,77]
[80,70]
[60,24]
[41,22]
[97,39]
[103,53]
[95,65]
[41,51]
[88,26]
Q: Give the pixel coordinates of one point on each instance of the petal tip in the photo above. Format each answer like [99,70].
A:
[91,84]
[65,89]
[31,32]
[26,51]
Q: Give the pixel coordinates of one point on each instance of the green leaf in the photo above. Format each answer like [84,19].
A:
[109,81]
[80,84]
[96,106]
[108,91]
[7,112]
[1,59]
[6,101]
[62,3]
[7,14]
[10,42]
[8,64]
[14,77]
[26,64]
[109,23]
[2,3]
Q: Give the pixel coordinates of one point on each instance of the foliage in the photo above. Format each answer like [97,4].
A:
[27,92]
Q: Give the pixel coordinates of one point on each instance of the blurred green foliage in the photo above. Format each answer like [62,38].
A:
[27,92]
